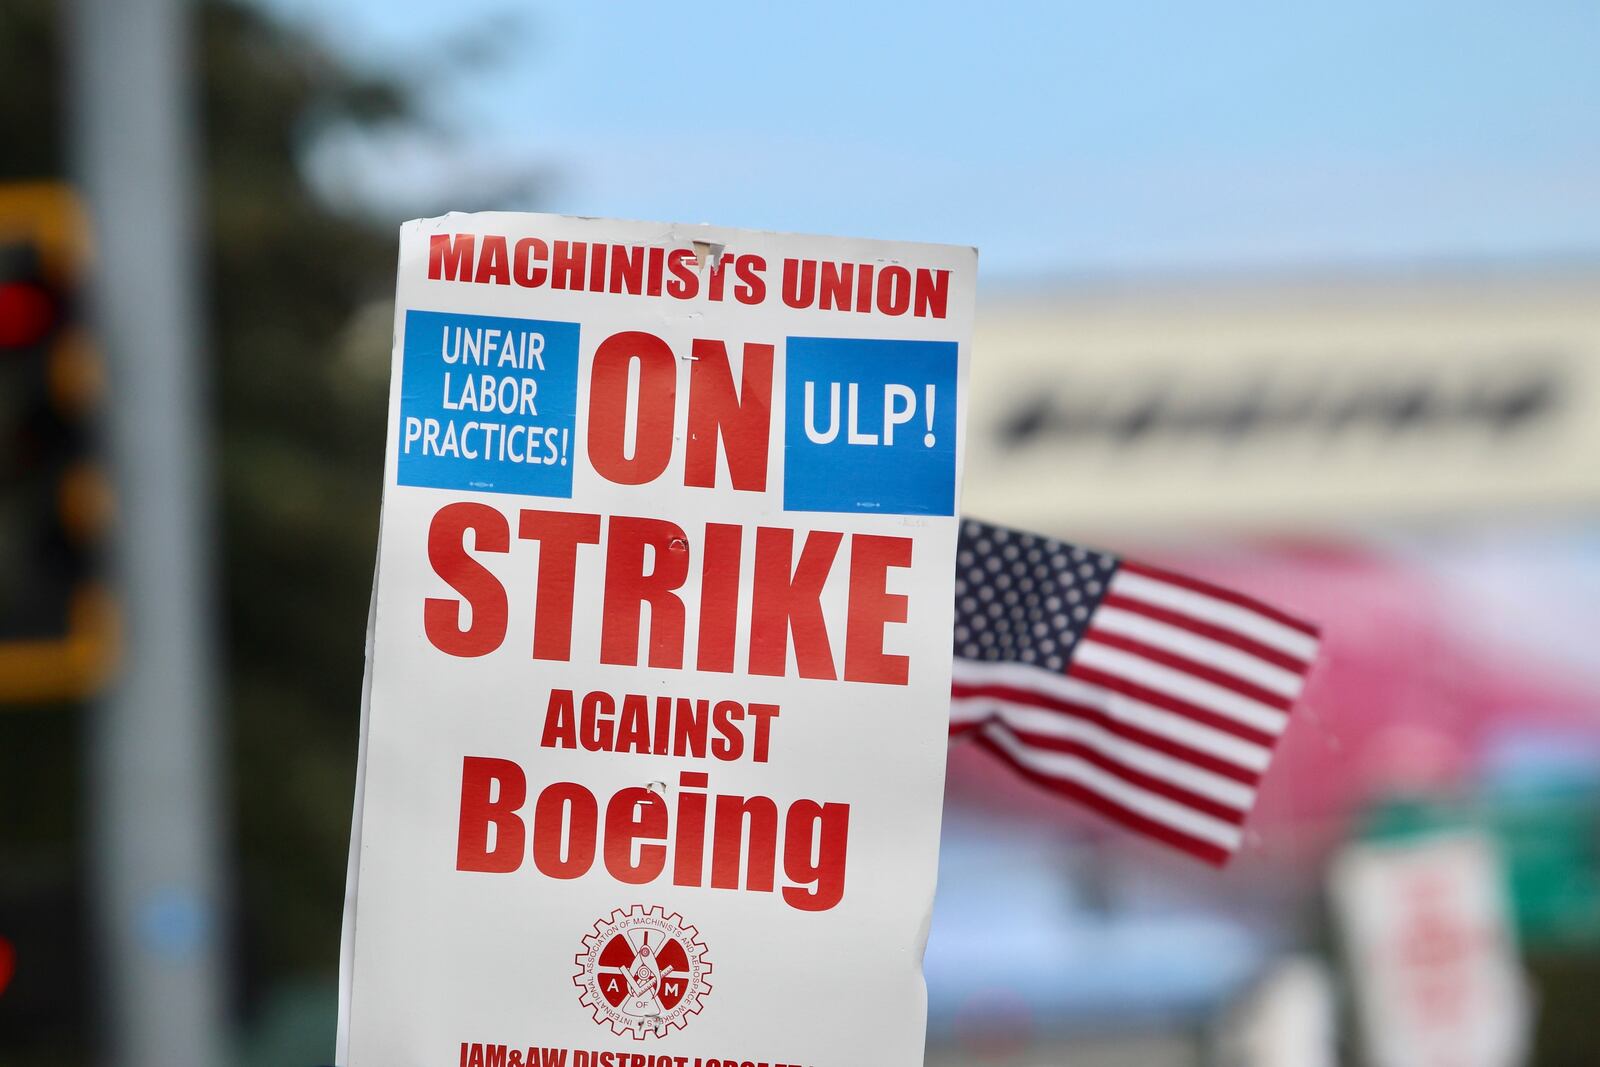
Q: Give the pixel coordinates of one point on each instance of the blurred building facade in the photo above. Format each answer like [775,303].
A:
[1412,460]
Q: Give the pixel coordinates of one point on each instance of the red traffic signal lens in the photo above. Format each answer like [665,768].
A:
[27,314]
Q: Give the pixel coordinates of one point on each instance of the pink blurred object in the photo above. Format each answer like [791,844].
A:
[1402,700]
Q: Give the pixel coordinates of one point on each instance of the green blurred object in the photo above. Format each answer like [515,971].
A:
[1548,838]
[1410,817]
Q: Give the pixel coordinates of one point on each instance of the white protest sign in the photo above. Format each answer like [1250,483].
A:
[658,685]
[1433,956]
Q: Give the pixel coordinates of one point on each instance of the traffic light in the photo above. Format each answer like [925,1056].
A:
[57,619]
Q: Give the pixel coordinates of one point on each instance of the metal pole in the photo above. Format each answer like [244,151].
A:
[157,886]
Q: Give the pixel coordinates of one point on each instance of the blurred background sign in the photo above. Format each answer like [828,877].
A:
[1432,954]
[57,624]
[1289,1019]
[1289,405]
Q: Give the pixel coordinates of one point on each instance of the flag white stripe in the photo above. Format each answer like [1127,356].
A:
[1190,645]
[1179,684]
[1136,713]
[1130,754]
[967,710]
[1156,808]
[1240,620]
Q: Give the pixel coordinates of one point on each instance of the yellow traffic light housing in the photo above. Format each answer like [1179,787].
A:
[58,622]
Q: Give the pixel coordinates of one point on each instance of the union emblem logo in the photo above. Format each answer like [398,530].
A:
[642,971]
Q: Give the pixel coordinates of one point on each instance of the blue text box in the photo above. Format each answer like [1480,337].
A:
[870,426]
[488,403]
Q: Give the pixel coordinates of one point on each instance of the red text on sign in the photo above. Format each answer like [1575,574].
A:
[724,841]
[647,563]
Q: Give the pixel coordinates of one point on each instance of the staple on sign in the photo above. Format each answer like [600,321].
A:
[711,250]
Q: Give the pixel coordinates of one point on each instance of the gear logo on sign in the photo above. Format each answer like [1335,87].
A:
[642,971]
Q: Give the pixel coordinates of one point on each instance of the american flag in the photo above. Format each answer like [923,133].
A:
[1152,698]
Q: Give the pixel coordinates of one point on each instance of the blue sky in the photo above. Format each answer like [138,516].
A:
[1066,138]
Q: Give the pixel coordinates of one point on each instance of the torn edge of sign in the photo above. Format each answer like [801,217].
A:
[708,251]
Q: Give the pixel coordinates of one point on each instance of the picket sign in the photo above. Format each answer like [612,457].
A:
[1431,944]
[658,662]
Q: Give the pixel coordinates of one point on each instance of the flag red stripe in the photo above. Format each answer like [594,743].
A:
[1118,684]
[1088,713]
[1220,634]
[1205,850]
[1150,784]
[1239,599]
[1195,668]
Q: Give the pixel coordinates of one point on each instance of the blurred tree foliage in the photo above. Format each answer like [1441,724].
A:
[300,421]
[297,417]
